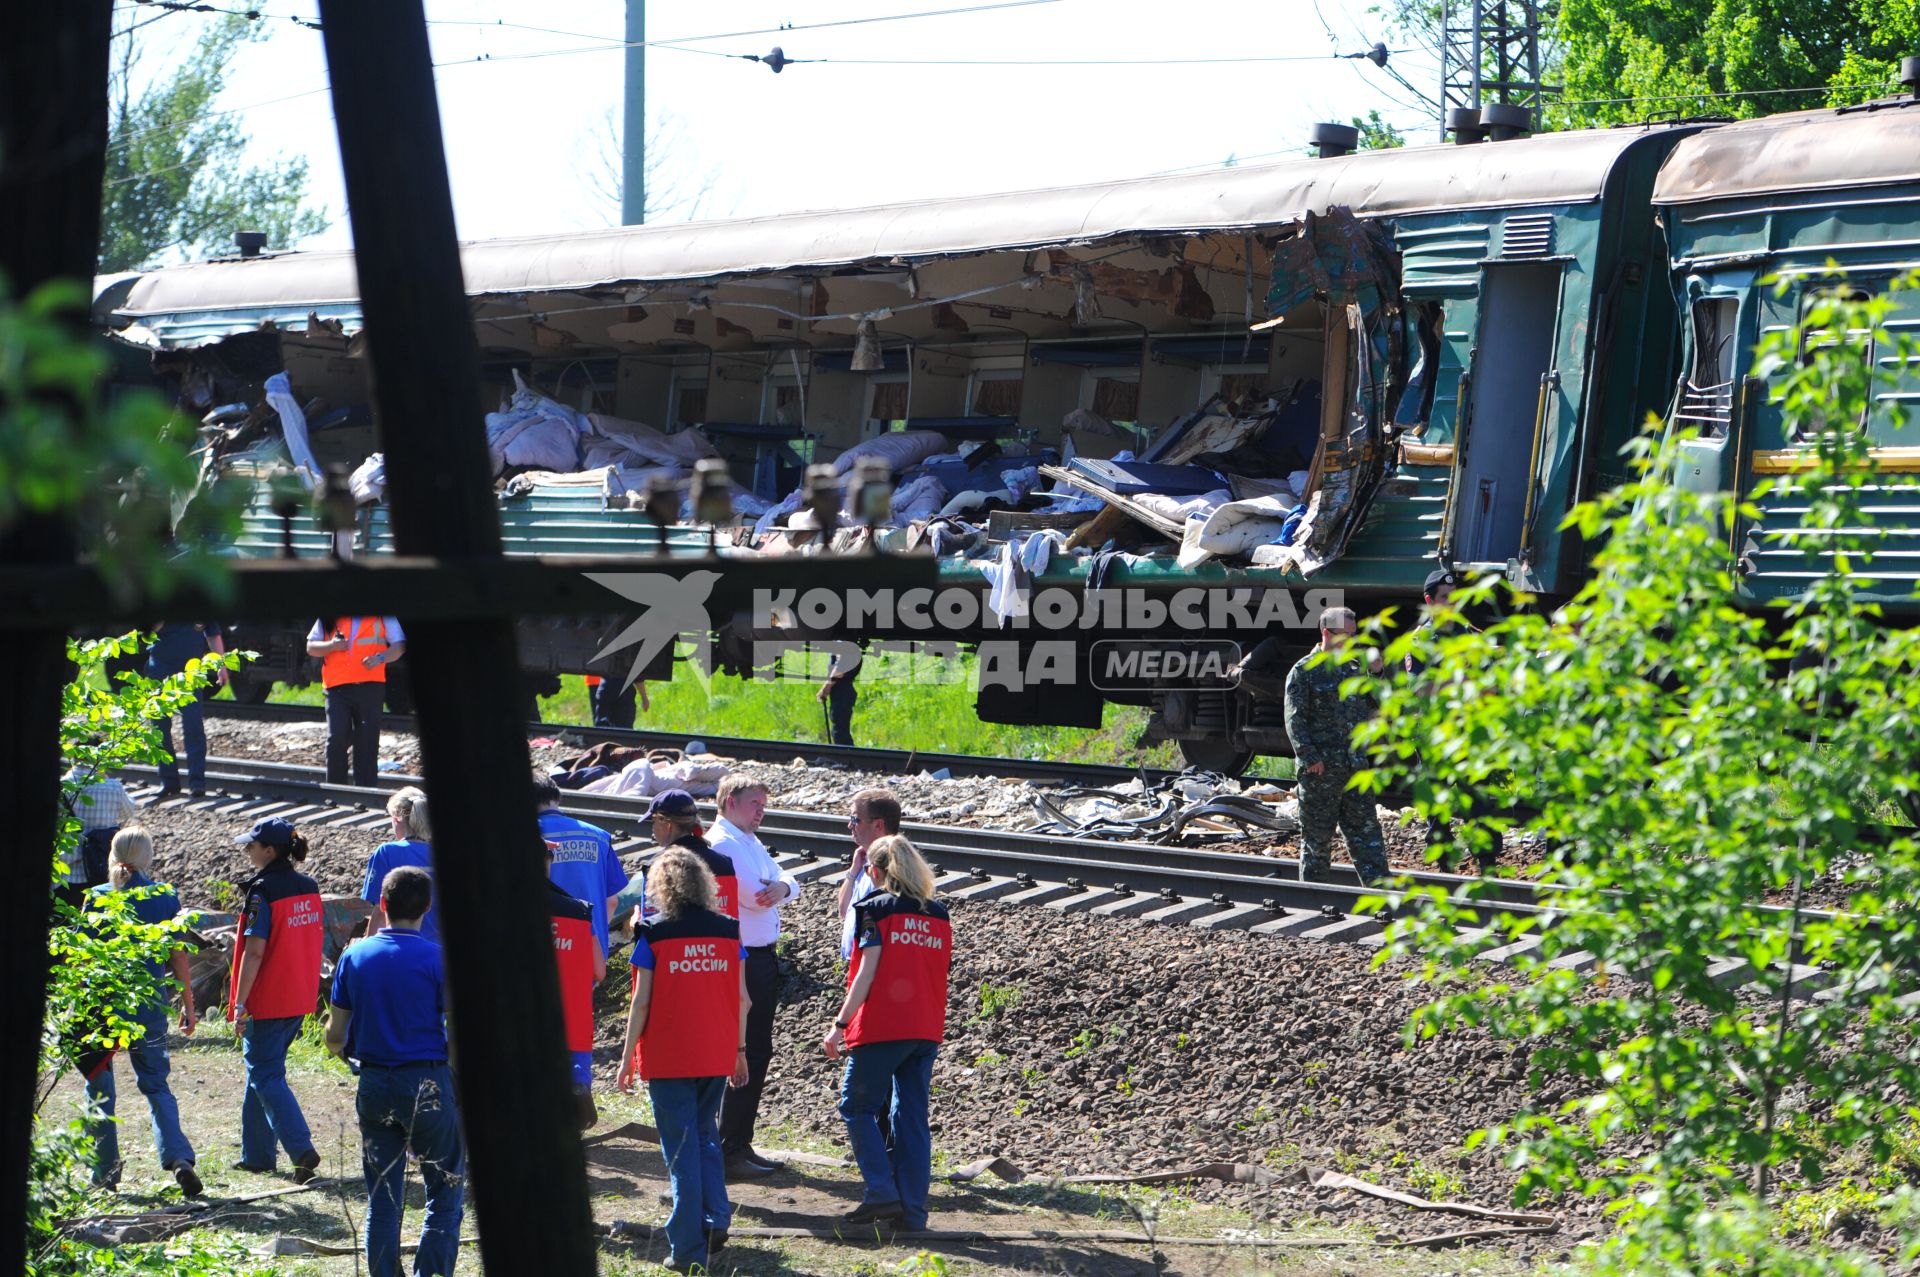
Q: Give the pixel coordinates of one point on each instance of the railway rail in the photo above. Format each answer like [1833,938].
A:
[860,757]
[1207,889]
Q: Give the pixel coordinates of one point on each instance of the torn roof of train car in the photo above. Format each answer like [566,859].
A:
[1872,145]
[191,305]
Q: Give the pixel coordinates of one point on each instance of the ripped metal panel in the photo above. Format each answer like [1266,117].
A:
[1352,266]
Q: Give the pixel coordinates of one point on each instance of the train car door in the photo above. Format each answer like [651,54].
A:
[1494,451]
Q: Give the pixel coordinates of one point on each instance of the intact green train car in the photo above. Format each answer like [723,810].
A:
[1822,200]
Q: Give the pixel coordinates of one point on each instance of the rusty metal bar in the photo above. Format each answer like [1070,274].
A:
[524,1160]
[429,588]
[53,145]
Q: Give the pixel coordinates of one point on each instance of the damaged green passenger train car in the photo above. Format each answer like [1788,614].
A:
[1538,337]
[1821,200]
[1416,356]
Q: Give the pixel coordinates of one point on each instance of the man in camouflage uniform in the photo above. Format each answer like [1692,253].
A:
[1320,722]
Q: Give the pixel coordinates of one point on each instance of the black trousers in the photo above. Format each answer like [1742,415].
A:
[613,705]
[353,723]
[741,1107]
[840,700]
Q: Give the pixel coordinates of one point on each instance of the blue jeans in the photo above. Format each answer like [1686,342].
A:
[687,1111]
[148,1056]
[193,735]
[269,1115]
[893,1078]
[411,1107]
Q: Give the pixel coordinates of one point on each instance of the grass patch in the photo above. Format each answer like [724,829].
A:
[900,707]
[997,999]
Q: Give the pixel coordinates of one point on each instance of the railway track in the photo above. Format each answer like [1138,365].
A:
[1207,889]
[859,757]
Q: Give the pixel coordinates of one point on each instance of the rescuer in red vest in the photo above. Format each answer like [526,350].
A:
[354,652]
[676,823]
[582,964]
[891,1024]
[687,1037]
[276,985]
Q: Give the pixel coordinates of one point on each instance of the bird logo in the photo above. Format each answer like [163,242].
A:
[674,605]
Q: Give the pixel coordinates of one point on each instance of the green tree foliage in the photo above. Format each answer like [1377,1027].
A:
[1674,57]
[1376,133]
[176,180]
[122,473]
[100,976]
[1696,766]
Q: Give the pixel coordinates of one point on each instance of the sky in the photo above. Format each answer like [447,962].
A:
[531,117]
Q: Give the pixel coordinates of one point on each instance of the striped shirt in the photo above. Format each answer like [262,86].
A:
[103,804]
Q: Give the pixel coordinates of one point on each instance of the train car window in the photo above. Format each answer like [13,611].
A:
[1115,397]
[887,401]
[995,394]
[689,402]
[1426,323]
[1811,343]
[1706,403]
[1244,388]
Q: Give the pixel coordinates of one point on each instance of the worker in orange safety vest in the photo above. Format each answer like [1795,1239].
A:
[354,652]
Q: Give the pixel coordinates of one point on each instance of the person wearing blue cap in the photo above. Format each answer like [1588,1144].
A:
[676,823]
[388,1011]
[276,985]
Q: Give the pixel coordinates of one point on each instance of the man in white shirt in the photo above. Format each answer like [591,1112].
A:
[764,887]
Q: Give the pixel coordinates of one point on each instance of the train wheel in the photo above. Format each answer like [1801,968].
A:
[1216,754]
[250,689]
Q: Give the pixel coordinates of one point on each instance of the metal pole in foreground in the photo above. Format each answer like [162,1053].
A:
[53,146]
[524,1159]
[633,129]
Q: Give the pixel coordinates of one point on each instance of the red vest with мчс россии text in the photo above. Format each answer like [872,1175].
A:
[693,1017]
[366,635]
[912,940]
[573,942]
[289,980]
[726,893]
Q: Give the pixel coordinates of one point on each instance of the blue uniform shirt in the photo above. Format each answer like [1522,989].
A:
[159,905]
[177,643]
[392,983]
[389,856]
[584,865]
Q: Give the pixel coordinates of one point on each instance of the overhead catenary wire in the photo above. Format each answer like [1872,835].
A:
[1724,93]
[1078,62]
[612,44]
[253,15]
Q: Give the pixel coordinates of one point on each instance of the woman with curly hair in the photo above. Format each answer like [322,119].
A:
[686,1036]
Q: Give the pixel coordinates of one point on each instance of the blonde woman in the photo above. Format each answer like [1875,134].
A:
[687,1037]
[129,866]
[890,1027]
[412,844]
